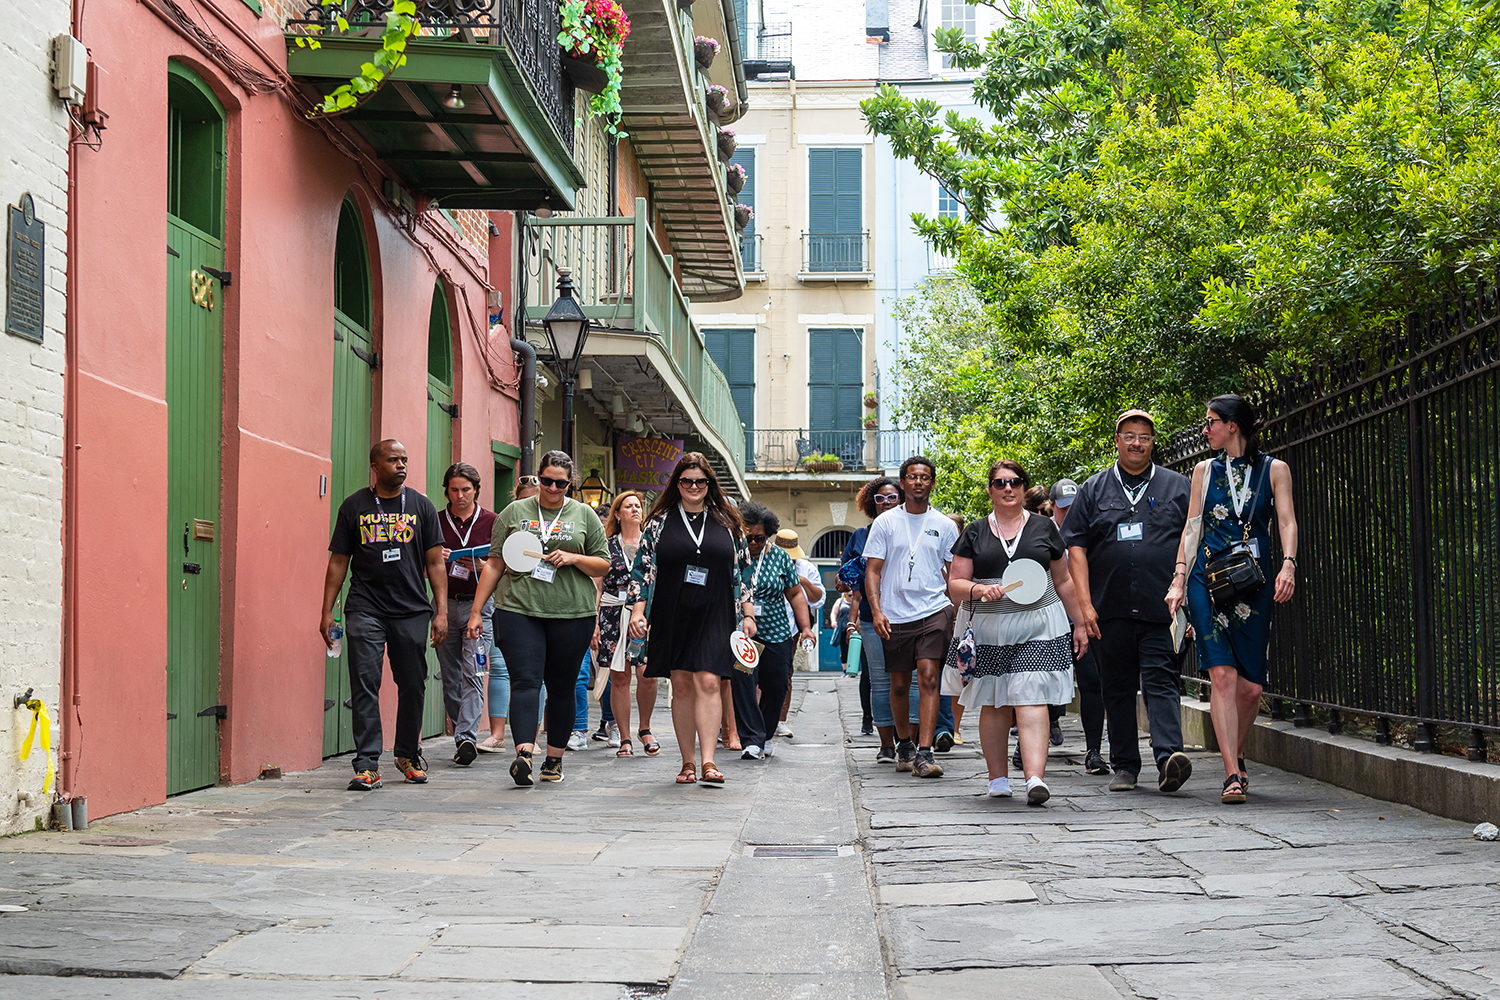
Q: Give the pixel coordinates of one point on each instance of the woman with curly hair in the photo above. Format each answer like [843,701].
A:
[874,498]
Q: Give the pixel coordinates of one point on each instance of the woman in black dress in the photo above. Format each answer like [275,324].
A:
[687,597]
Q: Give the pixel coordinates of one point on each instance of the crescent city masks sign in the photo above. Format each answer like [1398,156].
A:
[645,463]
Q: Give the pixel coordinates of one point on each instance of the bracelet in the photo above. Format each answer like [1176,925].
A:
[1289,559]
[1181,564]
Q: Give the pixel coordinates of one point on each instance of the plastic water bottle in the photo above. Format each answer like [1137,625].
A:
[851,665]
[336,635]
[477,654]
[635,649]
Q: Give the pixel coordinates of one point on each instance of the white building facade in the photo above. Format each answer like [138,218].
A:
[34,136]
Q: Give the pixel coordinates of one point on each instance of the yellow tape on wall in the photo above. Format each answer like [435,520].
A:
[39,719]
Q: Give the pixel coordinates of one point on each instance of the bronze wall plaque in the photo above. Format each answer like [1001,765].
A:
[25,272]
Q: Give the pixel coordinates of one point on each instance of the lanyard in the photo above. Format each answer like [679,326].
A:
[696,536]
[542,527]
[755,575]
[1015,543]
[463,542]
[382,509]
[1240,497]
[1133,497]
[912,534]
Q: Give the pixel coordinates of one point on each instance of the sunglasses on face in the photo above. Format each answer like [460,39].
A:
[887,498]
[1014,482]
[696,483]
[1210,421]
[555,484]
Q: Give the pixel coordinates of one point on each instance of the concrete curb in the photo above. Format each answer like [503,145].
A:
[1446,786]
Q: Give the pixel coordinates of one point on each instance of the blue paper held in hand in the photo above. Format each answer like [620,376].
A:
[477,552]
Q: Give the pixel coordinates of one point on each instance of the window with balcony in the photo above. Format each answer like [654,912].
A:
[835,386]
[749,242]
[835,242]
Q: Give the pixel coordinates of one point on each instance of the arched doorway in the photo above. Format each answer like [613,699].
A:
[824,553]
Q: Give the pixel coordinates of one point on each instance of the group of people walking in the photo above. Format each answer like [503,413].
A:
[1094,585]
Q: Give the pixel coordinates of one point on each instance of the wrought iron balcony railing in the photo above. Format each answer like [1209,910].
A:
[769,50]
[836,254]
[527,28]
[752,250]
[803,450]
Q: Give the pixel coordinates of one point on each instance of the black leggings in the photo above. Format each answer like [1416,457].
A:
[537,651]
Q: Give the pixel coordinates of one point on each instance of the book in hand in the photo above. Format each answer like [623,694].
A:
[477,552]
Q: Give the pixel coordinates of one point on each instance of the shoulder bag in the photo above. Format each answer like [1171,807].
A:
[1234,574]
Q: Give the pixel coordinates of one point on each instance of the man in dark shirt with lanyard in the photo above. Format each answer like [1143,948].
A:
[1122,535]
[389,536]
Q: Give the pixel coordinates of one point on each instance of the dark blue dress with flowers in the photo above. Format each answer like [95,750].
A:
[1239,636]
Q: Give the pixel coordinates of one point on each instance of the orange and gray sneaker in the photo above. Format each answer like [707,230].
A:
[415,769]
[364,781]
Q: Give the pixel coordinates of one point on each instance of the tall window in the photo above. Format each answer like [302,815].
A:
[835,383]
[957,14]
[749,245]
[835,215]
[734,352]
[947,208]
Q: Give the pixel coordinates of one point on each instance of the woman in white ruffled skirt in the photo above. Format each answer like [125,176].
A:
[1022,655]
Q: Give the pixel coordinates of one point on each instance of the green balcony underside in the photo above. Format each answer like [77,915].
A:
[499,152]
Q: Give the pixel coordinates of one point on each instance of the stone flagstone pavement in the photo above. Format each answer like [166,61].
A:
[618,883]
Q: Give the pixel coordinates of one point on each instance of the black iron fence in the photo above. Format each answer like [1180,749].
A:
[1395,461]
[803,450]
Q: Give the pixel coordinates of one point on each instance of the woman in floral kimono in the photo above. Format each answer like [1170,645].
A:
[1242,485]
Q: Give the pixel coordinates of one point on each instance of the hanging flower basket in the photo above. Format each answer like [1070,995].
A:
[871,401]
[872,422]
[742,216]
[592,41]
[727,144]
[716,98]
[704,50]
[586,76]
[734,178]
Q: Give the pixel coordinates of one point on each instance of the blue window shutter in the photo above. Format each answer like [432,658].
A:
[822,193]
[745,157]
[835,380]
[734,352]
[847,183]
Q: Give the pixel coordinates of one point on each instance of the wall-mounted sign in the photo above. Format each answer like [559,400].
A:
[25,271]
[644,463]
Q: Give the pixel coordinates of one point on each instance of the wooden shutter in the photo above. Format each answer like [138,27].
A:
[745,157]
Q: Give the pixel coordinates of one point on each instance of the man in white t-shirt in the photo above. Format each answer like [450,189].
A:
[906,582]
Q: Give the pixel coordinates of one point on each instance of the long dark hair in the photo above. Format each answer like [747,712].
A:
[865,499]
[716,503]
[1237,410]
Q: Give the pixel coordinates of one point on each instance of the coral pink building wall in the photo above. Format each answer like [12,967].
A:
[285,186]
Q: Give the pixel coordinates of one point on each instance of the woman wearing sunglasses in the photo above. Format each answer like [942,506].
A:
[874,498]
[688,599]
[545,621]
[1023,653]
[498,689]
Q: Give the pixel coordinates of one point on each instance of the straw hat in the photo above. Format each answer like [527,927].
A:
[787,539]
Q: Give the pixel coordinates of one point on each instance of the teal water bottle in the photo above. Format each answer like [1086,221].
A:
[851,665]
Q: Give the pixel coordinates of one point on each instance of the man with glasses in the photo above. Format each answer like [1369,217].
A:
[1122,534]
[906,583]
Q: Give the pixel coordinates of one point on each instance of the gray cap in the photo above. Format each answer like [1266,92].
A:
[1063,492]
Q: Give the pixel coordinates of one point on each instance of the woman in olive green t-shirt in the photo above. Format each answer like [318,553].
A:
[544,620]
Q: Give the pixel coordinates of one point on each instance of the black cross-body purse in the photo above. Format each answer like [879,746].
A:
[1234,574]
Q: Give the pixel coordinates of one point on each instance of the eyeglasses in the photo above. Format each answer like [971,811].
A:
[1015,482]
[887,498]
[693,484]
[1137,438]
[918,477]
[1210,421]
[554,484]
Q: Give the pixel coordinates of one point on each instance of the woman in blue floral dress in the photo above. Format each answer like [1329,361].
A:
[1241,485]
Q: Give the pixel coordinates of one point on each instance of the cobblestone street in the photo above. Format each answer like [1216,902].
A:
[618,883]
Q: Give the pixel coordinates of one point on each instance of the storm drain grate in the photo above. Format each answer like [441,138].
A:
[799,851]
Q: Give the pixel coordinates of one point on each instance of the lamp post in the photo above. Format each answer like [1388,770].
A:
[567,330]
[593,491]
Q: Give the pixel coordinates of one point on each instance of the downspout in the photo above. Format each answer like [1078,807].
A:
[528,401]
[68,711]
[742,92]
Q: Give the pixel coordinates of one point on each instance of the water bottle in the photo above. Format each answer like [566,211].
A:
[476,653]
[635,649]
[336,637]
[851,665]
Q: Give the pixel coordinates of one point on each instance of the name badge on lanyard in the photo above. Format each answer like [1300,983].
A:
[390,555]
[544,572]
[458,571]
[697,575]
[1129,532]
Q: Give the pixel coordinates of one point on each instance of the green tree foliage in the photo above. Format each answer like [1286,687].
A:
[1175,198]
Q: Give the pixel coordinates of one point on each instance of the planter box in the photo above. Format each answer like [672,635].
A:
[703,55]
[586,76]
[823,466]
[734,182]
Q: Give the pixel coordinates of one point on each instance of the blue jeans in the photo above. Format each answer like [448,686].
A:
[606,710]
[880,681]
[499,685]
[945,713]
[581,696]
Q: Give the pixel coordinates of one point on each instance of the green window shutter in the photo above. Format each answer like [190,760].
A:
[745,157]
[848,208]
[821,192]
[835,379]
[351,270]
[741,16]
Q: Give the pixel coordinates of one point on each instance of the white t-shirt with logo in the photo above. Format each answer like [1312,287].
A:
[912,586]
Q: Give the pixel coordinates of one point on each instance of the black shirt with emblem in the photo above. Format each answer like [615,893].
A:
[387,552]
[1128,573]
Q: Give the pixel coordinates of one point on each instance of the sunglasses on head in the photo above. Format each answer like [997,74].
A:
[694,483]
[555,484]
[526,481]
[1002,482]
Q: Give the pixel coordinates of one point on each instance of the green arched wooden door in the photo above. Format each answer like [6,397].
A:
[194,347]
[354,364]
[440,415]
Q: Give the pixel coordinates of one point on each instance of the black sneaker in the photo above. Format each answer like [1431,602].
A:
[520,770]
[1055,736]
[467,751]
[1124,782]
[943,743]
[551,769]
[887,755]
[364,781]
[601,735]
[1015,759]
[867,730]
[1175,770]
[906,753]
[925,767]
[1095,763]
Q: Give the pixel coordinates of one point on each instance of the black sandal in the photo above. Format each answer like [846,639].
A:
[624,750]
[648,742]
[1234,791]
[1244,775]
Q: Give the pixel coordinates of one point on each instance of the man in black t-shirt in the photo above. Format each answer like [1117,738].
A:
[389,536]
[1122,536]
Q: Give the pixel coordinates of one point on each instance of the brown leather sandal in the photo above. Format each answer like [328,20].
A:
[688,775]
[712,774]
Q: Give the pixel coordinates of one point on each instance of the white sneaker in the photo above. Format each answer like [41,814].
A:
[767,751]
[614,735]
[578,740]
[1000,788]
[1037,791]
[782,730]
[752,752]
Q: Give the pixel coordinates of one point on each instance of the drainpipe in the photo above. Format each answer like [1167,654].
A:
[737,60]
[528,401]
[69,700]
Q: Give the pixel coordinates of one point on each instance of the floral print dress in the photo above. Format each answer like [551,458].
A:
[1239,636]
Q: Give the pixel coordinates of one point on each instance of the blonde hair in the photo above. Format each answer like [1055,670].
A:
[612,522]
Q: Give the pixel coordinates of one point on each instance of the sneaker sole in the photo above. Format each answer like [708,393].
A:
[467,754]
[932,771]
[903,765]
[357,787]
[1038,794]
[1001,795]
[554,778]
[943,743]
[1178,770]
[1122,788]
[520,772]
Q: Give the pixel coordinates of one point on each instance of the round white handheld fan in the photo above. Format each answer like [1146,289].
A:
[1024,581]
[522,552]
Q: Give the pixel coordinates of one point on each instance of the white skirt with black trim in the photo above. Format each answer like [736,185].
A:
[1023,653]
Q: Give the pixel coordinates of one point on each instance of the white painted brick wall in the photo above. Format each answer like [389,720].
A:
[828,38]
[33,158]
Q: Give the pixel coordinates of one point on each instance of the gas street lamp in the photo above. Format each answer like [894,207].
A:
[567,330]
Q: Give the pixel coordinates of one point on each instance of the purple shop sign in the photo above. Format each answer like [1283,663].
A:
[645,463]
